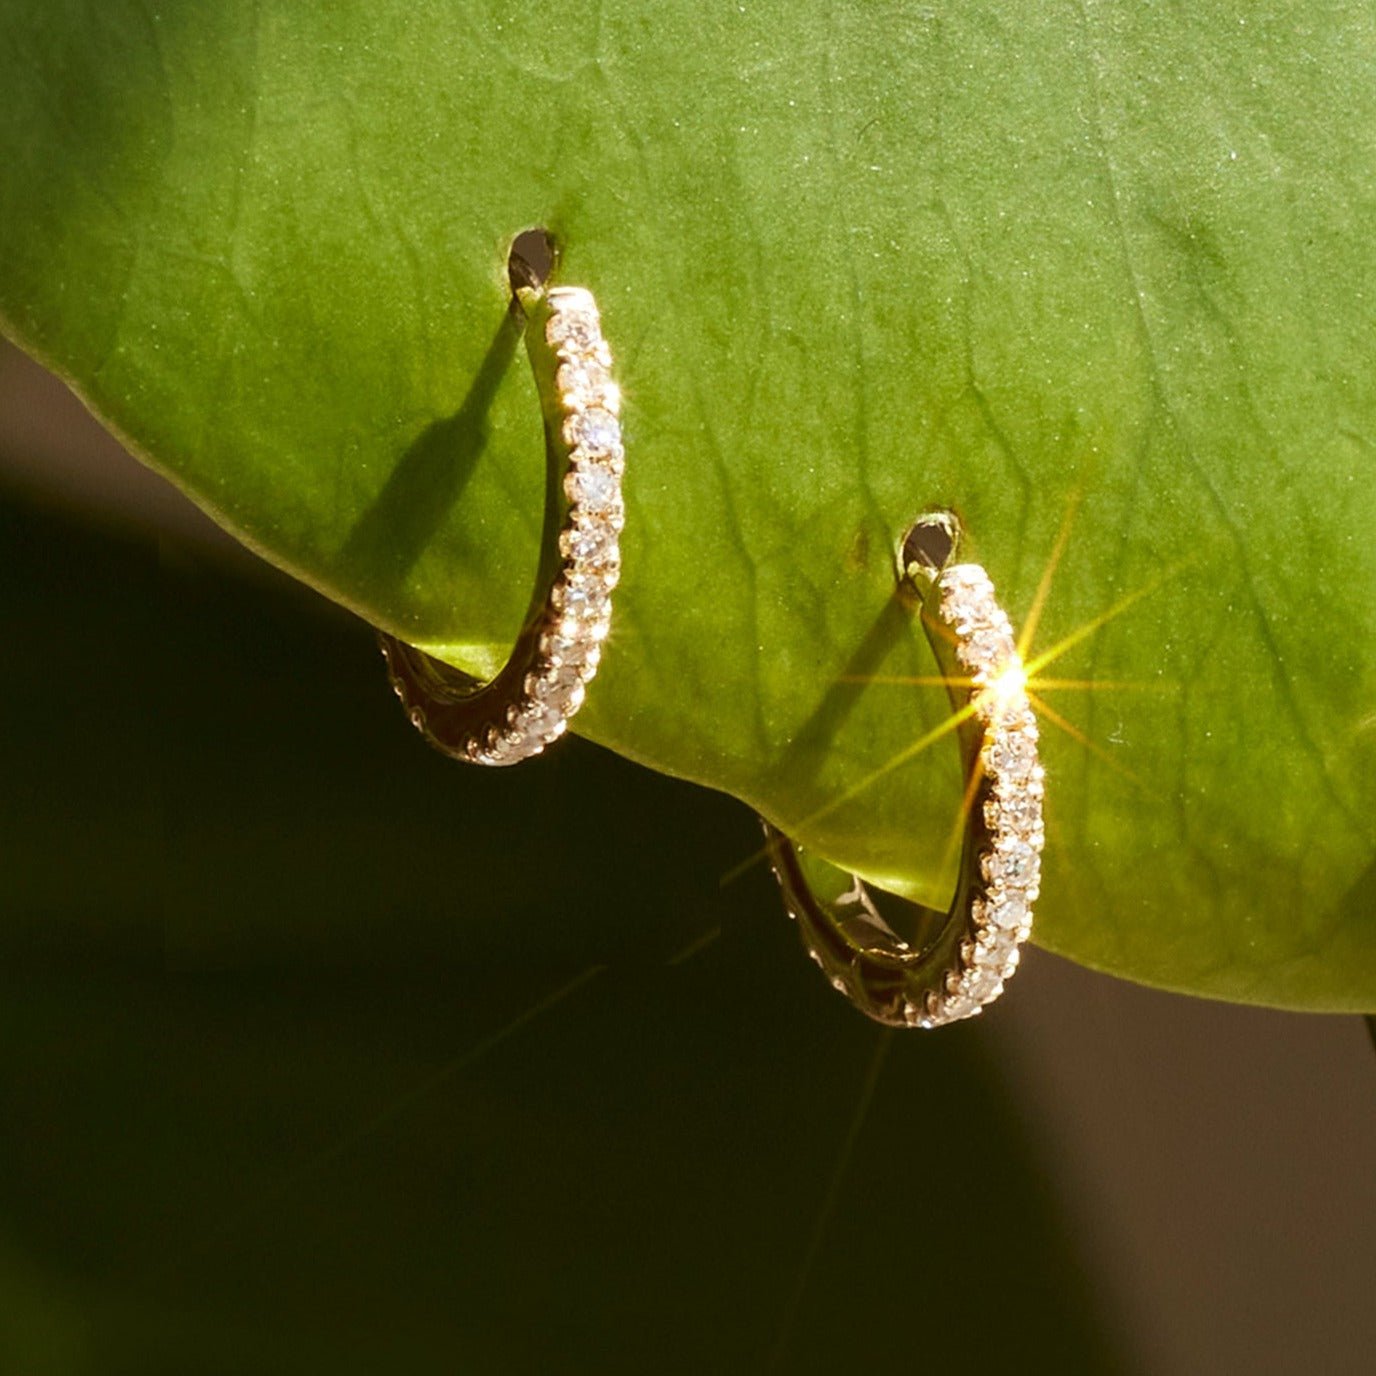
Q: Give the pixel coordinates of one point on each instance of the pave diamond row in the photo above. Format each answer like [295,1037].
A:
[1010,792]
[578,612]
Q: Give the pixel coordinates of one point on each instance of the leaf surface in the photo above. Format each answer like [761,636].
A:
[1099,276]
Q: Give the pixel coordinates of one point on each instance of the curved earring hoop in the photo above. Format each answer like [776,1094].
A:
[537,692]
[965,966]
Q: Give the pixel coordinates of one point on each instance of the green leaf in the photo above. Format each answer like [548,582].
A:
[1099,276]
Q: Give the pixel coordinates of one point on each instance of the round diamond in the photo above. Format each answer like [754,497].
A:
[1006,711]
[967,578]
[984,985]
[599,629]
[574,330]
[571,644]
[587,599]
[550,678]
[966,609]
[968,597]
[589,542]
[595,432]
[584,383]
[1015,864]
[557,685]
[533,718]
[986,649]
[565,696]
[994,949]
[1008,913]
[1020,814]
[1011,755]
[961,1006]
[589,630]
[595,490]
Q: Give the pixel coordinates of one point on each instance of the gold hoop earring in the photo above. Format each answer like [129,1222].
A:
[975,950]
[531,701]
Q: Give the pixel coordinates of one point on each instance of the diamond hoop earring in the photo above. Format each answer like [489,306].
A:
[537,692]
[974,950]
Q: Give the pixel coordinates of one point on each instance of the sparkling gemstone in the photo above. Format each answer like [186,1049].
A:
[1006,711]
[985,985]
[573,647]
[584,382]
[594,579]
[536,719]
[995,950]
[599,629]
[1015,864]
[967,595]
[591,542]
[505,748]
[557,684]
[586,598]
[1006,914]
[568,697]
[594,432]
[961,1006]
[594,489]
[967,578]
[1019,813]
[589,631]
[967,609]
[574,329]
[995,947]
[1021,863]
[986,649]
[1011,755]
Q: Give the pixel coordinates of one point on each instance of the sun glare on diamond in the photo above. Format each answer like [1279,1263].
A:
[1007,688]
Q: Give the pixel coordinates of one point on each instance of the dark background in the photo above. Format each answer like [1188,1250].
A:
[319,1052]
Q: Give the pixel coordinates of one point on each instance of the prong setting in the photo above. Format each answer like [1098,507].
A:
[1010,795]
